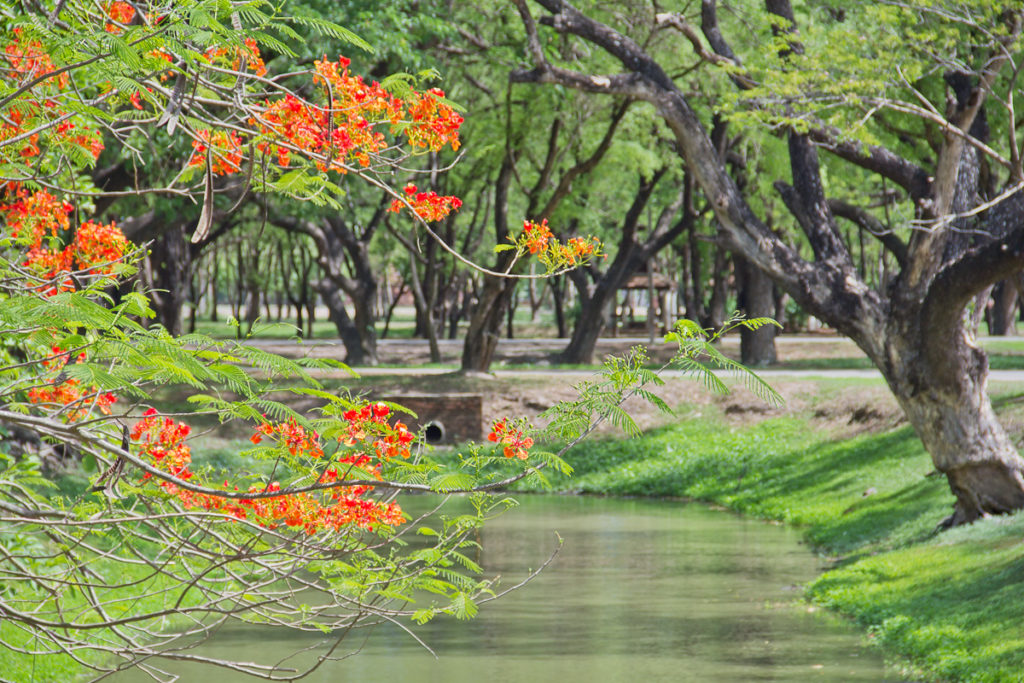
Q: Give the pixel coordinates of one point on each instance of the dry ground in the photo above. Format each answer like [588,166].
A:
[842,407]
[541,352]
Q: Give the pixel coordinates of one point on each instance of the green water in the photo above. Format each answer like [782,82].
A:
[641,591]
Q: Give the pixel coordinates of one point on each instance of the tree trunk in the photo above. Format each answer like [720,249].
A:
[510,311]
[356,353]
[496,292]
[485,324]
[949,408]
[913,329]
[1001,318]
[364,319]
[594,298]
[714,312]
[755,298]
[169,274]
[424,311]
[557,300]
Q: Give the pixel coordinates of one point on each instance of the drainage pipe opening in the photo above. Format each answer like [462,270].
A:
[434,432]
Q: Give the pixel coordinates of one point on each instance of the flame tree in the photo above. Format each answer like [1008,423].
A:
[157,552]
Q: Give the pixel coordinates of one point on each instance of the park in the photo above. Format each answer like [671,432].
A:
[519,340]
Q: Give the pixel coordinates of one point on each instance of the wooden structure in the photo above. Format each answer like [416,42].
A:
[660,288]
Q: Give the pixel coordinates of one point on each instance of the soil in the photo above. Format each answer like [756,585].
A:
[541,352]
[842,408]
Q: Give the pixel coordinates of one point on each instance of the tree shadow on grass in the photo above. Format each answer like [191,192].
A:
[892,520]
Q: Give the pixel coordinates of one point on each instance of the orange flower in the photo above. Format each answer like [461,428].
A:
[120,12]
[516,443]
[429,206]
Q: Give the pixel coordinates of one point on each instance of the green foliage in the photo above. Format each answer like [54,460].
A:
[698,356]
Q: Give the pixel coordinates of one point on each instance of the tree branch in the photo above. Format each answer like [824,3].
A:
[868,223]
[585,166]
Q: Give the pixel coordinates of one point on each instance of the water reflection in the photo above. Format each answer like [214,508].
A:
[642,590]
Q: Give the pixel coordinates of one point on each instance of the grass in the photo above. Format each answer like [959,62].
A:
[402,326]
[948,604]
[951,606]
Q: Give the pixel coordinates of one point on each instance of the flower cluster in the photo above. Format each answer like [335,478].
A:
[435,124]
[120,14]
[343,130]
[37,109]
[536,237]
[38,220]
[162,440]
[430,206]
[69,392]
[87,138]
[512,436]
[538,240]
[12,126]
[346,125]
[249,53]
[293,435]
[36,216]
[97,247]
[225,151]
[371,423]
[29,60]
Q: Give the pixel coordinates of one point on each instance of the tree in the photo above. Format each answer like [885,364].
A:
[936,123]
[302,533]
[597,289]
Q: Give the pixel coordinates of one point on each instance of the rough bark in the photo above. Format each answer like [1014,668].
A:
[939,376]
[755,298]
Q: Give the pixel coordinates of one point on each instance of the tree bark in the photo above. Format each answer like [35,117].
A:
[334,239]
[755,298]
[597,290]
[594,298]
[485,324]
[940,381]
[348,332]
[1001,316]
[496,292]
[558,302]
[169,273]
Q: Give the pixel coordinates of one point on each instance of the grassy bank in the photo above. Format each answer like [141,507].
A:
[948,604]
